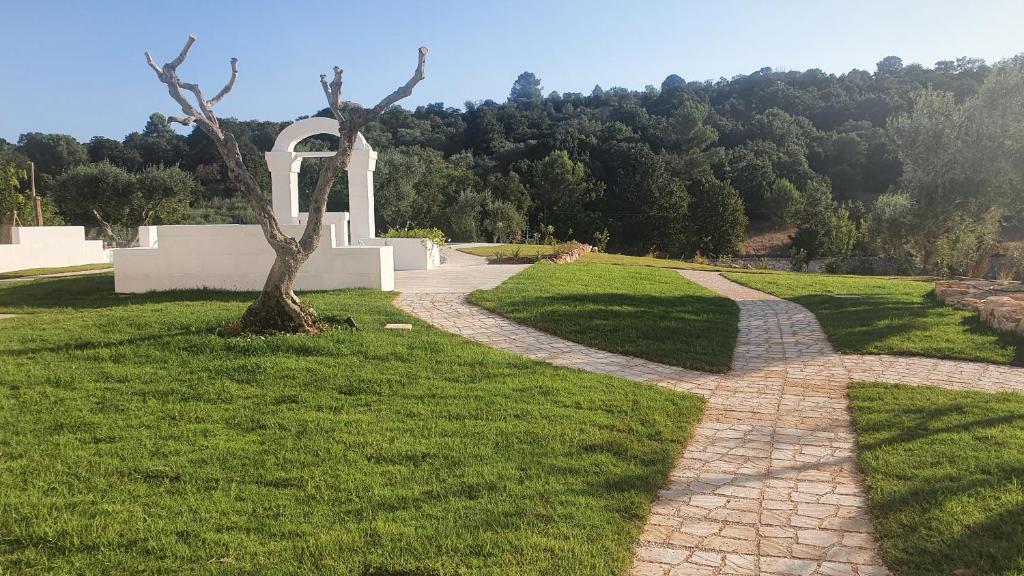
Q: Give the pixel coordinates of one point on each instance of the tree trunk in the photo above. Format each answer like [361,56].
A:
[277,308]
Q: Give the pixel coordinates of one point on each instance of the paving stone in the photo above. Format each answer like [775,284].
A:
[769,483]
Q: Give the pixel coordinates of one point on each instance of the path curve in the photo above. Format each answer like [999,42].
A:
[768,485]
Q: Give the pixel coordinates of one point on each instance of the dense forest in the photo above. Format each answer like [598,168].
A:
[899,162]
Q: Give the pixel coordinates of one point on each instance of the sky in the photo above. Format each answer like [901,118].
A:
[77,66]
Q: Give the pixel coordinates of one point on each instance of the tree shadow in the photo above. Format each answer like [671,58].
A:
[690,331]
[854,324]
[94,292]
[958,513]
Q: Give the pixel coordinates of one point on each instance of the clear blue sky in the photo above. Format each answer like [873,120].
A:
[77,66]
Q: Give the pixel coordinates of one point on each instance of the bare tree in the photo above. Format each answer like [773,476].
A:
[277,308]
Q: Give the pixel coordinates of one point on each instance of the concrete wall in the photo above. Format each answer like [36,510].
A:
[49,247]
[237,257]
[410,253]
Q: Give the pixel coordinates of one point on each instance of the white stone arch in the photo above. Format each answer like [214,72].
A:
[284,164]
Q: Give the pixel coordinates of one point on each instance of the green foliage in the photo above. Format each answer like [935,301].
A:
[504,222]
[636,310]
[632,157]
[958,251]
[873,315]
[942,469]
[889,223]
[103,193]
[11,198]
[823,227]
[526,89]
[129,427]
[53,154]
[717,222]
[962,166]
[435,235]
[561,191]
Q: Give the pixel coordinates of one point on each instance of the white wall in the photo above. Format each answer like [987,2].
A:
[237,257]
[49,247]
[410,253]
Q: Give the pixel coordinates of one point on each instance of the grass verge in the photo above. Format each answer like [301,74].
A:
[540,251]
[135,440]
[874,315]
[633,310]
[943,470]
[41,271]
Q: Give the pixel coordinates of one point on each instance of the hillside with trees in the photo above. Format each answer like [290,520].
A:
[905,162]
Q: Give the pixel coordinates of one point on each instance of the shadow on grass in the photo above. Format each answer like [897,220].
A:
[855,324]
[97,291]
[682,330]
[971,542]
[944,476]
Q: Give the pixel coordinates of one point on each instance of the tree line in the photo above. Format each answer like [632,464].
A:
[905,161]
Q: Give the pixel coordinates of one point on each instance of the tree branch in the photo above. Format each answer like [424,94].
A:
[405,90]
[227,88]
[173,64]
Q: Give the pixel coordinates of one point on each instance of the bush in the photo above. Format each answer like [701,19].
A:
[960,251]
[889,223]
[504,222]
[823,228]
[717,221]
[435,235]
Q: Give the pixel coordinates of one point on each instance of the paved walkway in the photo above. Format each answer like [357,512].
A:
[768,485]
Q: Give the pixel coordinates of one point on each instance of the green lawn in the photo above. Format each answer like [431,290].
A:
[507,250]
[40,271]
[543,251]
[134,440]
[873,315]
[635,310]
[945,476]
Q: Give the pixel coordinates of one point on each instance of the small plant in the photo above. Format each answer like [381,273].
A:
[434,235]
[798,260]
[699,258]
[549,235]
[763,263]
[601,240]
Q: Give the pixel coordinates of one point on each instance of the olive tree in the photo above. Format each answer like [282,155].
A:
[277,308]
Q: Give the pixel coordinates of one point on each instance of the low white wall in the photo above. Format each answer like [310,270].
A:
[49,247]
[237,257]
[410,253]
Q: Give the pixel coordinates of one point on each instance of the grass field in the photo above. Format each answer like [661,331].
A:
[864,314]
[944,471]
[635,310]
[40,271]
[543,251]
[134,440]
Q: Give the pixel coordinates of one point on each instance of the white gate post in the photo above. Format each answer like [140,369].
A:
[360,191]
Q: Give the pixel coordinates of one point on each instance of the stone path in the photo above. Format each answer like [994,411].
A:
[768,485]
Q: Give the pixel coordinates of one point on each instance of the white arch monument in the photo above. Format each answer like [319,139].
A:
[238,257]
[284,164]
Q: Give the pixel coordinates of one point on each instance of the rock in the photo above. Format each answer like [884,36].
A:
[999,304]
[571,254]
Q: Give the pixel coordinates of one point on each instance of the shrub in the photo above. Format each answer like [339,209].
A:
[717,222]
[434,235]
[504,221]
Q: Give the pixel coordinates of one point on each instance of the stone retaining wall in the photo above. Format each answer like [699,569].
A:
[1000,304]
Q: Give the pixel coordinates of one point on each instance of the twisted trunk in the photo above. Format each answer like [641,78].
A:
[278,309]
